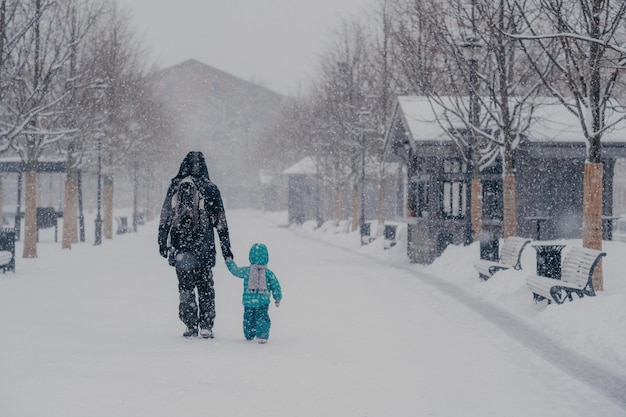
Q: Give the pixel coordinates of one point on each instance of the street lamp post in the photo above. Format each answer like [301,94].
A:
[362,214]
[81,216]
[98,240]
[469,46]
[362,129]
[99,86]
[135,196]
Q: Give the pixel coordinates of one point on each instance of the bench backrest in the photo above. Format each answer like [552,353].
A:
[512,250]
[578,265]
[7,240]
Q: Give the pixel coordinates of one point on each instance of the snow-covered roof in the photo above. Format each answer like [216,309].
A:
[305,166]
[420,118]
[552,122]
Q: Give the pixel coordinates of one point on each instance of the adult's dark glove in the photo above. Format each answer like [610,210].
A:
[162,241]
[163,250]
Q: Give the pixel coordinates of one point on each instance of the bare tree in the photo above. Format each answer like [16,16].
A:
[42,47]
[416,50]
[487,88]
[590,60]
[383,83]
[81,17]
[340,92]
[149,131]
[119,62]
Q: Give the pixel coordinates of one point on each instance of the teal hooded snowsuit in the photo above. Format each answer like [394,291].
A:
[256,299]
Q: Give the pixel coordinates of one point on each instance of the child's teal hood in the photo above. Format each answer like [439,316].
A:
[259,254]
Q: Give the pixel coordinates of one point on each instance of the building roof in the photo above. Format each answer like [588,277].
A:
[552,122]
[305,166]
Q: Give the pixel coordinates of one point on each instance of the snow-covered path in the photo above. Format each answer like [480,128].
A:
[94,332]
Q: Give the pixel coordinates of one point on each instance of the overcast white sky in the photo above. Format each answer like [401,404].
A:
[272,42]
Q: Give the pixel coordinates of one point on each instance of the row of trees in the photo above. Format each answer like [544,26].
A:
[73,87]
[504,54]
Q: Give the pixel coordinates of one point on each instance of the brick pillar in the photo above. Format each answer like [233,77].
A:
[70,216]
[510,205]
[477,208]
[592,215]
[107,207]
[30,215]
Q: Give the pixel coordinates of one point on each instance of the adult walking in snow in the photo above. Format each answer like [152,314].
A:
[192,208]
[258,283]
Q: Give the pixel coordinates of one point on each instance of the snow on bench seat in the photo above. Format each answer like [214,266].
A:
[510,257]
[5,257]
[576,277]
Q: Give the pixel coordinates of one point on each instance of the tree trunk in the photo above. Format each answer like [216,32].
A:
[476,205]
[1,201]
[356,208]
[70,217]
[328,203]
[30,216]
[136,200]
[592,215]
[107,207]
[510,205]
[338,206]
[381,208]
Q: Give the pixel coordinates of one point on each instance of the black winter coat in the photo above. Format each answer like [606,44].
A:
[212,216]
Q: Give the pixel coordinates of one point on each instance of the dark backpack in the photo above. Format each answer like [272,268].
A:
[187,220]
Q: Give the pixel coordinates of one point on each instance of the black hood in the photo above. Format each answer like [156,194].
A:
[193,165]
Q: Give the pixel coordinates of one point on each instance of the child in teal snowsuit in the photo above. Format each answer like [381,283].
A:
[258,283]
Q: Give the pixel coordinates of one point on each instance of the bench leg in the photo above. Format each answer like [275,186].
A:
[538,298]
[560,294]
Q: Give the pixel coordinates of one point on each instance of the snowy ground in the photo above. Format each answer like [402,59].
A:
[361,332]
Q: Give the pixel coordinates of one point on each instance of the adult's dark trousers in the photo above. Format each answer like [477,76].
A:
[200,311]
[256,322]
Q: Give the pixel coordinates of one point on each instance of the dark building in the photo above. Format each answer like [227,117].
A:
[549,162]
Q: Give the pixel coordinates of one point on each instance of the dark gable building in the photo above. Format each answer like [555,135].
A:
[225,117]
[549,163]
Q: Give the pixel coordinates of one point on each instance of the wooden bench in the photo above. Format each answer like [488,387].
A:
[7,250]
[576,277]
[390,234]
[366,234]
[510,257]
[122,225]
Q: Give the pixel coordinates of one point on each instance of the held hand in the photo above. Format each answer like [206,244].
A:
[277,303]
[228,259]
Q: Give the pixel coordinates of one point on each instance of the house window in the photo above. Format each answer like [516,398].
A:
[418,196]
[454,200]
[453,189]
